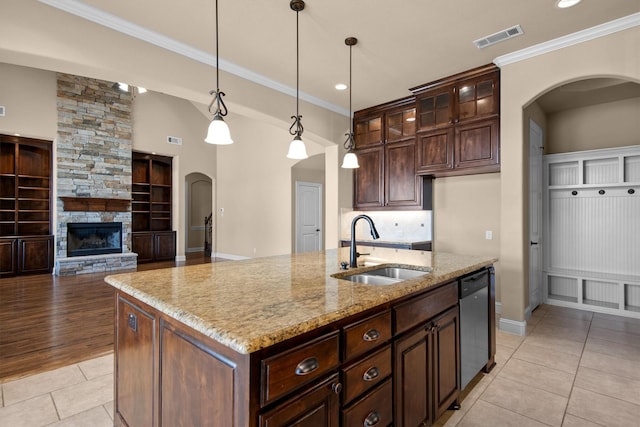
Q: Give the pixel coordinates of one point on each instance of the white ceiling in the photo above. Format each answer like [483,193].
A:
[402,44]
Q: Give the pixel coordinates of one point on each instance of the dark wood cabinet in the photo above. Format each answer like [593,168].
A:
[427,357]
[317,407]
[385,146]
[402,184]
[435,108]
[476,146]
[398,364]
[368,182]
[35,254]
[413,378]
[449,127]
[25,206]
[135,363]
[152,237]
[458,124]
[446,360]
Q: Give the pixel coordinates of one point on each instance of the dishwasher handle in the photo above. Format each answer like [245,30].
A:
[473,283]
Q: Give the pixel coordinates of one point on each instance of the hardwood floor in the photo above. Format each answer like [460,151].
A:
[49,321]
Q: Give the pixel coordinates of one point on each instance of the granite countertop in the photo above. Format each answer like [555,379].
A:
[252,304]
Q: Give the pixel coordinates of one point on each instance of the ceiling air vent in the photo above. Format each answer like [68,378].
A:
[498,37]
[174,140]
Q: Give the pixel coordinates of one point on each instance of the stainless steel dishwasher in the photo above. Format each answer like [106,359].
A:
[474,325]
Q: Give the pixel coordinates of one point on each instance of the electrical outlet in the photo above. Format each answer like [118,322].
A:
[488,235]
[221,211]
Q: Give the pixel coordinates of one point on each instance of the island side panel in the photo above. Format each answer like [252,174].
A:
[195,380]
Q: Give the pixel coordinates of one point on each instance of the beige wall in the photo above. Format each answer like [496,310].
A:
[464,208]
[254,189]
[615,55]
[156,116]
[614,124]
[29,96]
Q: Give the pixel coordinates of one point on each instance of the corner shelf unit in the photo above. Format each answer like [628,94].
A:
[592,230]
[152,236]
[26,243]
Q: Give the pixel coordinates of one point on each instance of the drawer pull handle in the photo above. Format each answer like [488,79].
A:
[372,419]
[371,374]
[371,335]
[336,388]
[307,366]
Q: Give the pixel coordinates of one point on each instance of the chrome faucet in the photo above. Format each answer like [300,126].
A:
[353,254]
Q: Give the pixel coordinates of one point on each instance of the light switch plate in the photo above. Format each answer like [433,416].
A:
[488,235]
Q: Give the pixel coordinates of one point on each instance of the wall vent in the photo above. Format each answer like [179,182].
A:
[2,111]
[174,140]
[498,37]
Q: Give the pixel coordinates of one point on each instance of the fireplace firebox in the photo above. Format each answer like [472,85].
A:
[94,238]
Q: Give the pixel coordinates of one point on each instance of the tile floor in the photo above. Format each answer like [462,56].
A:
[574,368]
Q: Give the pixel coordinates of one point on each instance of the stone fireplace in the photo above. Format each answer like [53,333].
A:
[93,172]
[94,238]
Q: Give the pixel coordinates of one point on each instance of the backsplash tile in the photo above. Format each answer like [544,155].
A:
[393,226]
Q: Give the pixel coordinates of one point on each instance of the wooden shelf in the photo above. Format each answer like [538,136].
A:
[152,238]
[94,204]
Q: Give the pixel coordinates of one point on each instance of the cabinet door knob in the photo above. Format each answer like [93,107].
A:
[372,419]
[371,335]
[336,388]
[307,366]
[371,374]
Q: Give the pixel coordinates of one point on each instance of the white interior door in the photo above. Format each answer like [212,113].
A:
[535,215]
[308,216]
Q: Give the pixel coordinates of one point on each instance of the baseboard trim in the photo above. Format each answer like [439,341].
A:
[498,308]
[513,326]
[180,258]
[229,256]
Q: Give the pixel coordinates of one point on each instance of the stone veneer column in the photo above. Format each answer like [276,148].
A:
[93,151]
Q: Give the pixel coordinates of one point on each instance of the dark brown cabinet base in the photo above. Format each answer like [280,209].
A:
[26,255]
[397,364]
[154,246]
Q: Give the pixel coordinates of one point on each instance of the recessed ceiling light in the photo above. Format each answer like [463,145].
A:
[341,86]
[563,4]
[141,90]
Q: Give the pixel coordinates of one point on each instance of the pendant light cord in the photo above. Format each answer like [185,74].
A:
[349,143]
[221,109]
[297,123]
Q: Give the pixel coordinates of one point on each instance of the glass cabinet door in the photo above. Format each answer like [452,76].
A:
[435,108]
[477,98]
[400,124]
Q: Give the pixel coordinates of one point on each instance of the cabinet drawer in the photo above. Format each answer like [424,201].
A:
[286,371]
[375,409]
[367,334]
[421,309]
[367,373]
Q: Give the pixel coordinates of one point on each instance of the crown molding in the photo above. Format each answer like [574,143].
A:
[601,30]
[100,17]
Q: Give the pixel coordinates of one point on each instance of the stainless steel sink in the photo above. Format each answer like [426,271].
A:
[384,276]
[368,279]
[397,273]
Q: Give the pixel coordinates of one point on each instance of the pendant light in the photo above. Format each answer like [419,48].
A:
[297,150]
[350,160]
[218,132]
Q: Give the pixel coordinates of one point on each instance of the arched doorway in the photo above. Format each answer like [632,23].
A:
[199,206]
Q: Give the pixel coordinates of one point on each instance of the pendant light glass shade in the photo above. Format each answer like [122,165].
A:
[350,160]
[297,150]
[218,132]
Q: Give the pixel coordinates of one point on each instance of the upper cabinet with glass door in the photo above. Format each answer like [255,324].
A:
[400,124]
[477,98]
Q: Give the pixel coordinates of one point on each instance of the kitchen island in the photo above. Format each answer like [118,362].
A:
[269,341]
